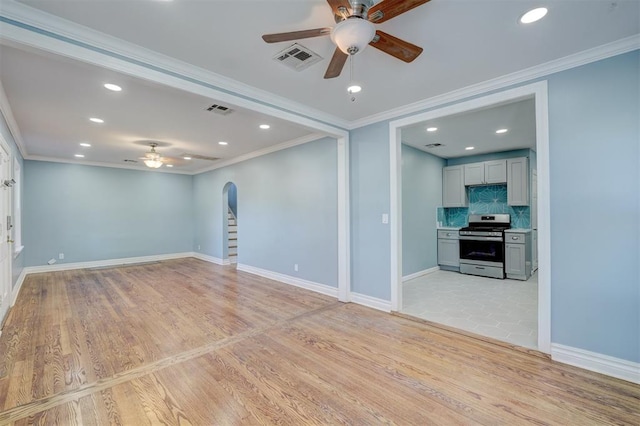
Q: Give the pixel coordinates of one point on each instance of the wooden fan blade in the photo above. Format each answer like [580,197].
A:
[336,4]
[388,9]
[296,35]
[396,47]
[337,63]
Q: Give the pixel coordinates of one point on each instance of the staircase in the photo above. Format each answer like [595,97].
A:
[232,231]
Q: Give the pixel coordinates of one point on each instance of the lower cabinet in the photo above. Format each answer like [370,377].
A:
[449,250]
[517,253]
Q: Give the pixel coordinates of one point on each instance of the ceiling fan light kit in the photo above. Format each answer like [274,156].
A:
[152,158]
[353,34]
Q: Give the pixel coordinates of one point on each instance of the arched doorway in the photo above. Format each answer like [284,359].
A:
[230,223]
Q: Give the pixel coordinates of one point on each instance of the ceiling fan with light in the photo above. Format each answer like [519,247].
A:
[154,160]
[355,29]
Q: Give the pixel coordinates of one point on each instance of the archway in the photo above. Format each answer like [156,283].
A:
[230,223]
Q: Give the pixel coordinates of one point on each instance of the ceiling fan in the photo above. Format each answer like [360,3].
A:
[154,160]
[355,29]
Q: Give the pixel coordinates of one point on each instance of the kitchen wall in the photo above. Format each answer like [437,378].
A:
[287,211]
[98,213]
[595,187]
[421,195]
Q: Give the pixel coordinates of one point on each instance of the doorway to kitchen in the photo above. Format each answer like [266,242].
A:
[535,91]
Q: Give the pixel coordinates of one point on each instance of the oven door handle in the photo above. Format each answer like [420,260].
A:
[476,238]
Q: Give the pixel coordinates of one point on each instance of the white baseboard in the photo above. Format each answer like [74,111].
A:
[371,302]
[209,259]
[18,286]
[287,279]
[592,361]
[103,263]
[420,273]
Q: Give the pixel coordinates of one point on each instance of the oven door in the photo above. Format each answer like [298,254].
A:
[482,250]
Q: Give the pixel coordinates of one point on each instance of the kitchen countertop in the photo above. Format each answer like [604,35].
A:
[448,228]
[518,230]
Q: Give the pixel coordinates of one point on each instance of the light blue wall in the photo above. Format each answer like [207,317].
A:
[421,196]
[287,211]
[18,262]
[595,206]
[97,213]
[369,199]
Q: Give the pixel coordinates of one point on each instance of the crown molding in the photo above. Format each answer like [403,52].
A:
[109,165]
[45,24]
[268,150]
[7,113]
[581,58]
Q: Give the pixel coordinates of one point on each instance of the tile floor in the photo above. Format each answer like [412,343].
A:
[506,310]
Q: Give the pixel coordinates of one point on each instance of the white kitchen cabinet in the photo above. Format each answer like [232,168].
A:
[454,193]
[534,250]
[517,255]
[448,250]
[485,173]
[518,181]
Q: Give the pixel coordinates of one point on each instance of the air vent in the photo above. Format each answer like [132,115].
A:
[130,161]
[198,157]
[433,145]
[219,109]
[297,57]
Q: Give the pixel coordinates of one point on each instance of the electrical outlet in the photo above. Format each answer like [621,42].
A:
[385,217]
[295,267]
[60,256]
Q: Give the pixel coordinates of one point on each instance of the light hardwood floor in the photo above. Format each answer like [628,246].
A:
[187,342]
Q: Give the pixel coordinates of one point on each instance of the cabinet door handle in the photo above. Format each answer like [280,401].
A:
[479,267]
[449,234]
[515,238]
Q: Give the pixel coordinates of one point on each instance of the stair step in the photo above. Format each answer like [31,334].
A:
[233,246]
[233,251]
[232,228]
[232,222]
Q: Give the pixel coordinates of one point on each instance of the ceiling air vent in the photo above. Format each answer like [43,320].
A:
[433,145]
[198,156]
[130,161]
[297,57]
[219,109]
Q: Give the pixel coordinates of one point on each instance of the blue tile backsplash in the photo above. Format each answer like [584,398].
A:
[485,199]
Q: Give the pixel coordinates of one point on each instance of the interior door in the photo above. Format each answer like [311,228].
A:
[5,232]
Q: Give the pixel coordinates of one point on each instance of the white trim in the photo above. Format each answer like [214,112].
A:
[538,71]
[344,239]
[264,151]
[537,90]
[371,302]
[104,263]
[420,273]
[96,39]
[287,279]
[18,286]
[17,251]
[592,361]
[108,165]
[208,258]
[7,113]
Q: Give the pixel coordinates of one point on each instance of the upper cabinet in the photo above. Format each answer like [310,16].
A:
[453,190]
[485,173]
[518,182]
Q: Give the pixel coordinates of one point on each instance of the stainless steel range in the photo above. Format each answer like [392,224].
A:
[482,245]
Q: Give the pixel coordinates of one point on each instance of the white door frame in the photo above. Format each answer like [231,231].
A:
[536,90]
[5,236]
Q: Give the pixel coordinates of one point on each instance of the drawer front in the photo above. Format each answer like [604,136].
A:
[448,235]
[510,238]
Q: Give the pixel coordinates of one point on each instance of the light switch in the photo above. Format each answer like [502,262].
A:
[385,217]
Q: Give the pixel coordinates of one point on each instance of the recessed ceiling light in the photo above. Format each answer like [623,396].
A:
[354,89]
[431,129]
[502,131]
[169,165]
[469,148]
[187,158]
[533,15]
[265,126]
[113,87]
[79,155]
[96,120]
[223,143]
[86,145]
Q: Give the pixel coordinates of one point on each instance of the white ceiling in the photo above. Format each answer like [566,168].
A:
[465,42]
